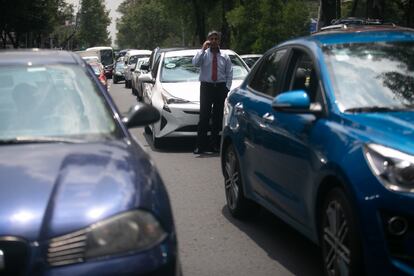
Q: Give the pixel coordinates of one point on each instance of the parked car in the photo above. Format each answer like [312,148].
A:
[118,71]
[135,85]
[174,89]
[78,194]
[321,134]
[130,60]
[146,68]
[99,71]
[251,59]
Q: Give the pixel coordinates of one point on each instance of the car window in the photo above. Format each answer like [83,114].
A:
[267,78]
[52,100]
[179,69]
[301,75]
[239,70]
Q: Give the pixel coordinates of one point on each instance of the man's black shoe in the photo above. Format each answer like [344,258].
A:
[198,151]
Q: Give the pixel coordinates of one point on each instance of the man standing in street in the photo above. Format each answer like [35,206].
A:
[216,74]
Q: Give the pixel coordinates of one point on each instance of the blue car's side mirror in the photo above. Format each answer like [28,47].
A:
[294,101]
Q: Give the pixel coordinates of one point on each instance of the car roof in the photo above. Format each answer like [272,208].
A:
[138,52]
[251,55]
[38,57]
[356,34]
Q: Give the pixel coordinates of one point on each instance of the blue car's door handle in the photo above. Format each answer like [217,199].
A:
[268,118]
[238,108]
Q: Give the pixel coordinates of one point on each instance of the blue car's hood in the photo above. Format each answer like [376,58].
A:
[51,189]
[392,129]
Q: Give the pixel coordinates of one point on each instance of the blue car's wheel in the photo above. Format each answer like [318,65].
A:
[340,245]
[238,205]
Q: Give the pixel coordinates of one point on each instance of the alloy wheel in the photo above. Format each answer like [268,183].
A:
[336,250]
[231,179]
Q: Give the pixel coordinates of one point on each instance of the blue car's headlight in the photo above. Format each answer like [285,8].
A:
[393,168]
[132,231]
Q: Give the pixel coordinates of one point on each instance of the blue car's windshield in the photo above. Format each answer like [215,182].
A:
[52,101]
[378,75]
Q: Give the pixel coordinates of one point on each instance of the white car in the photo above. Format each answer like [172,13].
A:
[130,60]
[174,89]
[136,86]
[251,59]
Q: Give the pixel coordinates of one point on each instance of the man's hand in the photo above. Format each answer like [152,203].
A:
[206,44]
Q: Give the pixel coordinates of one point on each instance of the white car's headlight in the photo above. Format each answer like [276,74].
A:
[393,168]
[132,231]
[170,99]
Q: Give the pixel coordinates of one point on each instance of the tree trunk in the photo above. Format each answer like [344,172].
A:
[329,10]
[12,40]
[410,13]
[200,22]
[227,5]
[354,8]
[375,9]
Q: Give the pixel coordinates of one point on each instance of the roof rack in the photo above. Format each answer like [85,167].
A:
[344,23]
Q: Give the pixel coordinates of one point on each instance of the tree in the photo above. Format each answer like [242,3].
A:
[27,23]
[258,25]
[93,24]
[143,25]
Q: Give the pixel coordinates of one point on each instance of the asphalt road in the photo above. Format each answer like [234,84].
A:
[211,242]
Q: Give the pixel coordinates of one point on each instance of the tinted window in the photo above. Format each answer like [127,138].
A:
[134,59]
[107,57]
[266,79]
[301,75]
[372,74]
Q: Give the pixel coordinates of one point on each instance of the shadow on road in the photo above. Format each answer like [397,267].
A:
[172,144]
[281,242]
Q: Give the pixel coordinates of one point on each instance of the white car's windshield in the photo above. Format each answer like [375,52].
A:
[51,100]
[372,75]
[181,69]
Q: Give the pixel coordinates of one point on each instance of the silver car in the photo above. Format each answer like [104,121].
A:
[174,89]
[131,59]
[136,86]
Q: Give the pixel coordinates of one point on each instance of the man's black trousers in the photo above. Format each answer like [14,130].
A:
[212,96]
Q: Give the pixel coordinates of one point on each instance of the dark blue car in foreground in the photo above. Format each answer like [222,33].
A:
[78,195]
[321,133]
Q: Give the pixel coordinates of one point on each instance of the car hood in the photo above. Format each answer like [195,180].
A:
[47,190]
[392,129]
[189,91]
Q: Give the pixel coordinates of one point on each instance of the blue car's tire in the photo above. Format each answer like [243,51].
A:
[340,240]
[239,206]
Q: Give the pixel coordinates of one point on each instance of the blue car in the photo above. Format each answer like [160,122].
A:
[321,133]
[78,194]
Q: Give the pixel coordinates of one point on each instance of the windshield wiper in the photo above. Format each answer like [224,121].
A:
[38,139]
[374,109]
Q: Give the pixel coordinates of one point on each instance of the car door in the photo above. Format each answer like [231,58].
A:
[255,108]
[149,88]
[283,143]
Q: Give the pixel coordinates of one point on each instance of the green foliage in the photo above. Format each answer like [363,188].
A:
[93,24]
[144,24]
[259,25]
